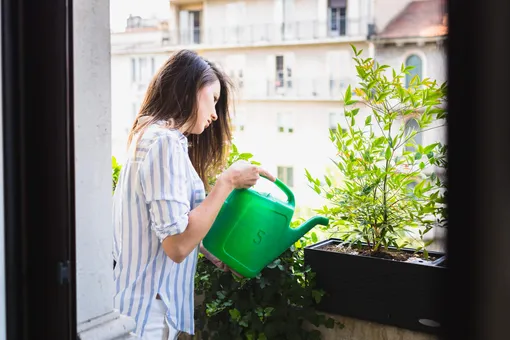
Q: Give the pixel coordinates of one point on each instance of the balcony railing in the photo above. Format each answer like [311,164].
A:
[295,89]
[271,33]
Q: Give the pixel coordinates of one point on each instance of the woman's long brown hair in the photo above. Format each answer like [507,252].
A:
[172,97]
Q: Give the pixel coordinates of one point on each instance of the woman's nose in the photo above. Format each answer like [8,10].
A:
[214,116]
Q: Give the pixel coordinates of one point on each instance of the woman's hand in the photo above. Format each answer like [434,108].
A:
[217,262]
[214,259]
[243,174]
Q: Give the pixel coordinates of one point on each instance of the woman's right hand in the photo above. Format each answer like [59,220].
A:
[243,174]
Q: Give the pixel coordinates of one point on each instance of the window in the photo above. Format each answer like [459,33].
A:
[279,71]
[289,76]
[283,76]
[337,17]
[139,69]
[232,26]
[285,123]
[414,60]
[133,70]
[240,81]
[235,65]
[135,108]
[280,68]
[286,175]
[239,120]
[142,67]
[190,26]
[411,126]
[153,66]
[195,19]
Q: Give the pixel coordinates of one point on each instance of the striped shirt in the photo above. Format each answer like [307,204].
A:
[157,188]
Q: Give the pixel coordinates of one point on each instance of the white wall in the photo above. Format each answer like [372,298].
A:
[386,10]
[140,38]
[92,159]
[125,94]
[312,68]
[433,57]
[306,19]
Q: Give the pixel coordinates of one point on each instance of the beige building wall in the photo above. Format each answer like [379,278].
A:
[284,126]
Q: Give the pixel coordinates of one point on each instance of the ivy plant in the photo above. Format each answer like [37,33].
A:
[279,303]
[389,186]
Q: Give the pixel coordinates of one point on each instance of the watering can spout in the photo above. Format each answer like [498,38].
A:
[308,225]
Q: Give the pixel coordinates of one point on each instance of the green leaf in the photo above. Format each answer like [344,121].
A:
[368,120]
[430,148]
[314,237]
[328,181]
[356,52]
[348,95]
[383,96]
[243,322]
[317,296]
[422,165]
[417,156]
[245,156]
[387,155]
[235,314]
[268,311]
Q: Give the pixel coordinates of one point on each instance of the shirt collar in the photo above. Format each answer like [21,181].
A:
[182,138]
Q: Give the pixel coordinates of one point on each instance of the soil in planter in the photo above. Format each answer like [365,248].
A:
[389,254]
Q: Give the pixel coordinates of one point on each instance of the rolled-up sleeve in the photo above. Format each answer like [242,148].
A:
[163,177]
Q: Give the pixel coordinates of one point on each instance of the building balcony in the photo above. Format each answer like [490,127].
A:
[294,89]
[271,33]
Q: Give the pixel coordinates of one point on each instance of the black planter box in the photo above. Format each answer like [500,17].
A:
[401,294]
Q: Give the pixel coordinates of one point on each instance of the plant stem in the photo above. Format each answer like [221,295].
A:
[386,168]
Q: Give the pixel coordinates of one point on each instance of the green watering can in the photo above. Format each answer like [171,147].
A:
[252,229]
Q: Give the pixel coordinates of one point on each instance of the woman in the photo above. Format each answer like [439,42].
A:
[179,138]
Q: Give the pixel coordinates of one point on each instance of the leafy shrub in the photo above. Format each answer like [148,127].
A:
[379,161]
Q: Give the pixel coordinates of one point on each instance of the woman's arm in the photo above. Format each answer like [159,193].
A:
[240,175]
[200,220]
[164,184]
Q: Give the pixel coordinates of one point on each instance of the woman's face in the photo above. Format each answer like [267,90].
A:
[207,98]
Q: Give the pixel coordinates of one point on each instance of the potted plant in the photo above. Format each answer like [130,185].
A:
[376,265]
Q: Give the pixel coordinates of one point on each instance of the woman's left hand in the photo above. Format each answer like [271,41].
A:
[214,259]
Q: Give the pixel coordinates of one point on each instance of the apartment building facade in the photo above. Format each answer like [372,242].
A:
[290,60]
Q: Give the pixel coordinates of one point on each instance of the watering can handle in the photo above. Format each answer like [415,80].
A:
[285,189]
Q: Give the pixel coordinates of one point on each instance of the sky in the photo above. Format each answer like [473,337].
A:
[121,9]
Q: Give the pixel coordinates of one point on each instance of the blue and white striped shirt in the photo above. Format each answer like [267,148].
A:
[157,188]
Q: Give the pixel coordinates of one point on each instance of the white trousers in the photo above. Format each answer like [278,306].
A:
[157,328]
